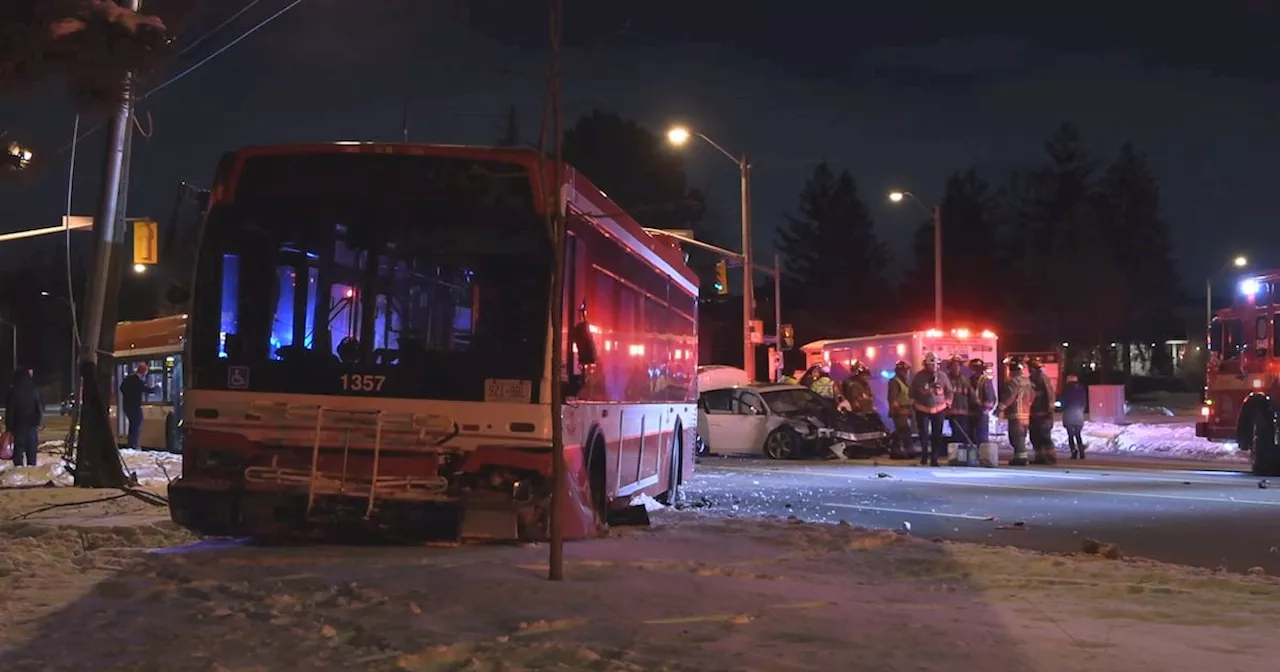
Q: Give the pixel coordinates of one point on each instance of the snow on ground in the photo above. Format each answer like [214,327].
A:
[150,467]
[694,592]
[1176,440]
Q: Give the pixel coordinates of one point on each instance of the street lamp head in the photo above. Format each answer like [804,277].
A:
[897,196]
[139,268]
[678,136]
[44,293]
[19,156]
[1240,262]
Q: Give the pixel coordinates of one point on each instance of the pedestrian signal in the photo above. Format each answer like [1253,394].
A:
[787,338]
[722,278]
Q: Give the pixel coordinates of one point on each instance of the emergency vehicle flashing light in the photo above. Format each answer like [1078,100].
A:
[1250,286]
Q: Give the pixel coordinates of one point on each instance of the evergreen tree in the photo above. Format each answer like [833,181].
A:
[636,168]
[834,262]
[511,131]
[970,268]
[1128,207]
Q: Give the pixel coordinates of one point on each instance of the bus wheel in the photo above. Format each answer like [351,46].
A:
[672,496]
[1261,435]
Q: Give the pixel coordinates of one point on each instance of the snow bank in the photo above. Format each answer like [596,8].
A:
[694,592]
[1175,440]
[151,467]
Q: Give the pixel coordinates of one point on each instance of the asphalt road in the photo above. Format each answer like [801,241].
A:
[1178,513]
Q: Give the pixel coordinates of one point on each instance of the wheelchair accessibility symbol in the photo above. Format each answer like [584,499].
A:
[237,377]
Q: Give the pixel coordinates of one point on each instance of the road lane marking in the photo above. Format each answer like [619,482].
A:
[1032,488]
[885,509]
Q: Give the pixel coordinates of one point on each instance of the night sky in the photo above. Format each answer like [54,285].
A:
[900,93]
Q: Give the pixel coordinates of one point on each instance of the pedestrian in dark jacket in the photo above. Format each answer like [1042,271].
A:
[132,389]
[1074,401]
[23,417]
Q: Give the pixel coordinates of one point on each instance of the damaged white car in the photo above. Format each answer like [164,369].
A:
[784,422]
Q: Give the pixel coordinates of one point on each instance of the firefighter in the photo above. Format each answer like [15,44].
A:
[822,384]
[900,412]
[1016,408]
[810,375]
[931,395]
[1041,425]
[984,390]
[785,378]
[857,389]
[963,400]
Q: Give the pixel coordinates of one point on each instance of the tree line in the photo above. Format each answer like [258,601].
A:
[1072,248]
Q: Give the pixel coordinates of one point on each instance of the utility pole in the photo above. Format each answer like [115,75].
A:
[556,218]
[777,301]
[748,293]
[97,457]
[937,266]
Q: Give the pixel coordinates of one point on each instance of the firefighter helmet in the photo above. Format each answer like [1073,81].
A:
[901,366]
[1035,364]
[977,363]
[857,368]
[930,359]
[1015,365]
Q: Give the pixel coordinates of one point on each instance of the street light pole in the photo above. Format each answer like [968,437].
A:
[748,286]
[937,266]
[935,213]
[680,136]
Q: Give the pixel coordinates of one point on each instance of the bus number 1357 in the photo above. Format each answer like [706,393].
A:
[362,382]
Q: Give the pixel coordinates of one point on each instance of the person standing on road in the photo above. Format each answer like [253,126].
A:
[931,394]
[984,390]
[23,417]
[900,412]
[962,400]
[857,390]
[1042,417]
[1016,408]
[1074,401]
[132,389]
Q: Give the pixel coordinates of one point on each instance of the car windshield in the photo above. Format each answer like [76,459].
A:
[795,401]
[413,276]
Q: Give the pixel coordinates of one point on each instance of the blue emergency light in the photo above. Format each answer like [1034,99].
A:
[1250,286]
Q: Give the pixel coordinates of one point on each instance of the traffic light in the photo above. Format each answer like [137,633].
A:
[787,337]
[722,278]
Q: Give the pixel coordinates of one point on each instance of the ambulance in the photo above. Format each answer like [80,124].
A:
[880,354]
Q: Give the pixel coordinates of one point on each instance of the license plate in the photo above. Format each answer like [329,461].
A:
[508,391]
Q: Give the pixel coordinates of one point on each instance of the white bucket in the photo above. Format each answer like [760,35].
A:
[955,451]
[989,454]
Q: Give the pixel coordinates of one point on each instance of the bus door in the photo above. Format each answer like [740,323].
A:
[161,408]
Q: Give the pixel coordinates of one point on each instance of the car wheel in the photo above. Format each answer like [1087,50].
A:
[782,443]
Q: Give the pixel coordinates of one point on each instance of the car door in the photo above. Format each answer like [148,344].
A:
[715,420]
[752,421]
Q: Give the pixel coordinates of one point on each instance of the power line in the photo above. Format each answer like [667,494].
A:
[215,54]
[173,80]
[219,27]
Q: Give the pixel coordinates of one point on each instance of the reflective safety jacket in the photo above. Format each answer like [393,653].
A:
[963,397]
[899,397]
[984,388]
[1019,394]
[931,391]
[823,386]
[858,393]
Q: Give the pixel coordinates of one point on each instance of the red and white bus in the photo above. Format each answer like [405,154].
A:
[1242,381]
[370,343]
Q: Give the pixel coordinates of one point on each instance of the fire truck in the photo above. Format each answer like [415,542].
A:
[1242,378]
[880,354]
[369,345]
